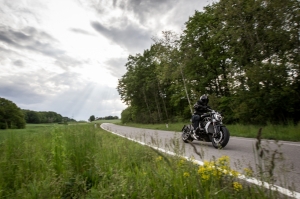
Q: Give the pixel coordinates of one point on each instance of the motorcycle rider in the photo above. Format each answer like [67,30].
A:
[200,107]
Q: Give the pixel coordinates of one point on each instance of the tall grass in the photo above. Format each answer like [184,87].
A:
[274,132]
[81,161]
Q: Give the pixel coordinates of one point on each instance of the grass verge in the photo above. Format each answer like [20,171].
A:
[80,161]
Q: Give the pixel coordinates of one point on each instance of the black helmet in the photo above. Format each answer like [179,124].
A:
[204,100]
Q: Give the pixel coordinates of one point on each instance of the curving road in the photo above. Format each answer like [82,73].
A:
[240,150]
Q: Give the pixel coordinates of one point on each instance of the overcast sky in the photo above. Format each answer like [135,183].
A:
[66,56]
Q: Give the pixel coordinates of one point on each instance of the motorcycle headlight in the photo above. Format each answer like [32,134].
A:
[218,117]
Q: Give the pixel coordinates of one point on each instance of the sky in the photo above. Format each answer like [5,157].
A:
[66,56]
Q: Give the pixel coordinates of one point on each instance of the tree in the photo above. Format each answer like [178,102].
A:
[92,118]
[11,116]
[244,54]
[32,117]
[36,117]
[262,40]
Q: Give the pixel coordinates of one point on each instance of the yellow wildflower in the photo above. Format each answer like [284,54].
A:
[225,172]
[215,172]
[237,186]
[205,177]
[234,173]
[181,162]
[186,174]
[159,158]
[248,172]
[224,160]
[201,170]
[208,170]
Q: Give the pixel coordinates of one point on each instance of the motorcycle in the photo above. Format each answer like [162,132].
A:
[214,131]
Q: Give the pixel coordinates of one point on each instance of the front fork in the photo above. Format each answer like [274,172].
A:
[217,128]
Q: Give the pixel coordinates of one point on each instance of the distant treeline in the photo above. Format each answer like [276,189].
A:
[36,117]
[12,117]
[107,118]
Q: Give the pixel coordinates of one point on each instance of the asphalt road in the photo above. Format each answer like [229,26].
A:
[240,150]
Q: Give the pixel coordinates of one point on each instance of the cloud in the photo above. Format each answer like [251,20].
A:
[135,22]
[25,36]
[19,63]
[128,35]
[67,62]
[30,39]
[117,66]
[66,56]
[38,86]
[145,9]
[142,10]
[82,102]
[67,93]
[81,31]
[20,90]
[40,42]
[162,15]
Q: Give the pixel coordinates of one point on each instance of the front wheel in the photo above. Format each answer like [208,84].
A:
[186,134]
[222,138]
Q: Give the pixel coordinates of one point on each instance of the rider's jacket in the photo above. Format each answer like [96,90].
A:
[199,108]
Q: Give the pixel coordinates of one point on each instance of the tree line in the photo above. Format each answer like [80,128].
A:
[93,118]
[244,54]
[11,116]
[37,117]
[110,117]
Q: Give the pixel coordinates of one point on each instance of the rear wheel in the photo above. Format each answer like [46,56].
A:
[222,138]
[186,134]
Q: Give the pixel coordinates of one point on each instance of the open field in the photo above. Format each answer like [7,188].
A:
[272,132]
[80,161]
